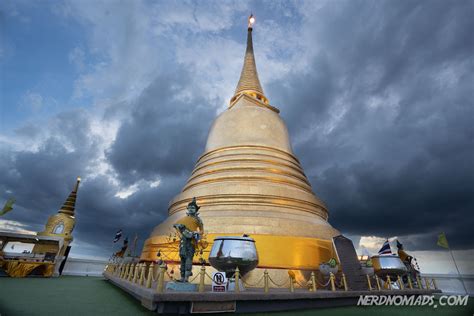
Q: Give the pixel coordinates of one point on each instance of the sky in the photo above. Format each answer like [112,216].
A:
[377,97]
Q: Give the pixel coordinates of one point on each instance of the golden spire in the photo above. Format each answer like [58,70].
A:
[69,206]
[249,83]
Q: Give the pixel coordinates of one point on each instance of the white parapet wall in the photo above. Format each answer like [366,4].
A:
[452,283]
[84,267]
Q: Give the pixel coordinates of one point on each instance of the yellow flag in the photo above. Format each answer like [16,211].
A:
[442,241]
[7,207]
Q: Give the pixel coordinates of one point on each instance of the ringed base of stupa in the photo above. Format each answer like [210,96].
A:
[248,181]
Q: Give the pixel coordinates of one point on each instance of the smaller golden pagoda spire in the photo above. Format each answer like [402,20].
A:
[70,203]
[249,83]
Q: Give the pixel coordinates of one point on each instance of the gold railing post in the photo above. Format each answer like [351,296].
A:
[400,282]
[237,280]
[418,280]
[120,272]
[368,282]
[265,281]
[434,284]
[410,284]
[149,278]
[344,281]
[427,283]
[313,282]
[138,269]
[135,272]
[389,283]
[142,275]
[161,279]
[132,271]
[377,280]
[292,284]
[331,279]
[139,273]
[125,273]
[202,275]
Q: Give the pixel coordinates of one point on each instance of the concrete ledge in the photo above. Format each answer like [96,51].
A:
[252,300]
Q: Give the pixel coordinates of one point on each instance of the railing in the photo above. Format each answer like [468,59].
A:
[376,283]
[143,274]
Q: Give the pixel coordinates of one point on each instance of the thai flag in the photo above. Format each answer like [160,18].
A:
[385,250]
[118,235]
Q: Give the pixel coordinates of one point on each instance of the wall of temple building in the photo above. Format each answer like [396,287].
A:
[84,267]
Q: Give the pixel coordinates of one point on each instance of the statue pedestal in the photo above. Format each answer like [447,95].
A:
[181,287]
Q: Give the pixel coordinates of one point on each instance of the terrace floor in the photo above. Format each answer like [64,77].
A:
[68,295]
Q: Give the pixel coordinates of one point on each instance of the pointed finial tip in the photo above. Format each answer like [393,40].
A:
[251,21]
[76,187]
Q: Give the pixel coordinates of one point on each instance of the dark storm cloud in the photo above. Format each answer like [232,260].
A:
[398,160]
[166,131]
[381,121]
[162,137]
[39,179]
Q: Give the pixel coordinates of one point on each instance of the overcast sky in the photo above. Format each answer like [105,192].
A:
[377,96]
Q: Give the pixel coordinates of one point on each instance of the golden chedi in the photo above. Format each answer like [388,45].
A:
[248,181]
[62,223]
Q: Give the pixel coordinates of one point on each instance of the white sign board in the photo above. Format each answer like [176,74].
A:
[219,282]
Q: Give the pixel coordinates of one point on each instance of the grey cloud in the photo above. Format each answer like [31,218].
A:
[401,166]
[166,130]
[397,169]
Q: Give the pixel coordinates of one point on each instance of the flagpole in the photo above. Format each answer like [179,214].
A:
[457,269]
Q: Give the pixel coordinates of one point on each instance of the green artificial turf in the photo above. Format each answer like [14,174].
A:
[66,295]
[71,296]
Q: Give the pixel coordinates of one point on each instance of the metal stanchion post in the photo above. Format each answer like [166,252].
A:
[344,282]
[142,274]
[292,284]
[389,283]
[125,276]
[237,280]
[400,282]
[331,279]
[161,279]
[135,273]
[265,281]
[149,278]
[313,282]
[202,275]
[368,282]
[418,281]
[131,273]
[378,282]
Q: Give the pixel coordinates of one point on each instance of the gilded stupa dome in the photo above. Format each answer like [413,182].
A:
[249,181]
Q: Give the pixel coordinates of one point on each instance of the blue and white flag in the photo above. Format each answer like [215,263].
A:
[385,250]
[118,235]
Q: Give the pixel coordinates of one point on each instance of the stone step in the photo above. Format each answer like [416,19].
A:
[350,265]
